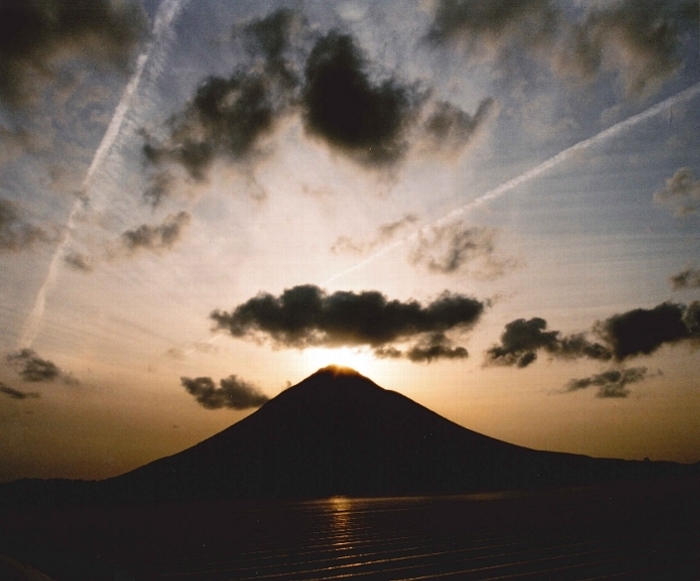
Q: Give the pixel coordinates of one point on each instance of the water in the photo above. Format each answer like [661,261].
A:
[620,532]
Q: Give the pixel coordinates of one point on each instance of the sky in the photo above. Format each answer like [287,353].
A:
[491,207]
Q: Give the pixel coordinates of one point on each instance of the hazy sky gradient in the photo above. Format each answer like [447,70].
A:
[489,206]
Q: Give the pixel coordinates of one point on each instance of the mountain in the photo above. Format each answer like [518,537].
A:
[338,433]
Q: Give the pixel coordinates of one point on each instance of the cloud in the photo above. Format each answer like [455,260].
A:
[271,38]
[16,393]
[454,248]
[622,336]
[226,119]
[636,40]
[448,129]
[37,35]
[332,88]
[156,238]
[385,233]
[364,119]
[233,393]
[31,367]
[688,278]
[522,339]
[229,118]
[78,261]
[611,383]
[431,347]
[436,346]
[16,233]
[487,28]
[643,331]
[307,316]
[158,187]
[681,193]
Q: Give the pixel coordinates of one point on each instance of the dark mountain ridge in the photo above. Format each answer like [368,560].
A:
[338,433]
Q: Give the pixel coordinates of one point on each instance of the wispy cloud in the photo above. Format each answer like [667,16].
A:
[611,383]
[385,233]
[16,232]
[458,248]
[13,393]
[35,36]
[538,170]
[33,368]
[156,237]
[637,41]
[681,193]
[448,130]
[688,278]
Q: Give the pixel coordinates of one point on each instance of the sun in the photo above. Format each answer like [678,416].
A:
[360,359]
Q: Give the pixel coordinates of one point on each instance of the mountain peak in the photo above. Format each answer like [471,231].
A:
[334,370]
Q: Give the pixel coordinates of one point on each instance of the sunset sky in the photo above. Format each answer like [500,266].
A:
[491,207]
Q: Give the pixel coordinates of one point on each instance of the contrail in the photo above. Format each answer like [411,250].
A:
[513,183]
[167,11]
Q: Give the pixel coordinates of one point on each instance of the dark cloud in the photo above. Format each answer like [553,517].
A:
[449,129]
[624,335]
[31,367]
[522,339]
[16,393]
[436,346]
[233,393]
[688,278]
[78,261]
[385,233]
[643,331]
[456,247]
[156,238]
[366,120]
[431,347]
[35,35]
[228,118]
[16,233]
[611,383]
[637,40]
[306,316]
[271,38]
[681,193]
[332,86]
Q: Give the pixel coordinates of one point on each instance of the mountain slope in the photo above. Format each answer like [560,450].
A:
[338,433]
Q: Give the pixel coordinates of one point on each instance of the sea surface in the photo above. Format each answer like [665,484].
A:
[621,531]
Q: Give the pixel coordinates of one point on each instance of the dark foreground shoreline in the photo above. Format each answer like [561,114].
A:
[619,530]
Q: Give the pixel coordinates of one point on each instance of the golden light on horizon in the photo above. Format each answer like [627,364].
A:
[360,359]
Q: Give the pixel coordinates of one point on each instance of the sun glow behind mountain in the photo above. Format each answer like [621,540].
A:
[359,359]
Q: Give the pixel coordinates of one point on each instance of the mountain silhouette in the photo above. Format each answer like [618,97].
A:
[338,433]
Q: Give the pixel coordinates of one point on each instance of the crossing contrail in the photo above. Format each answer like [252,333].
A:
[167,12]
[530,174]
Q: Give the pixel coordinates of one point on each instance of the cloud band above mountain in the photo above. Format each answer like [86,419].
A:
[306,316]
